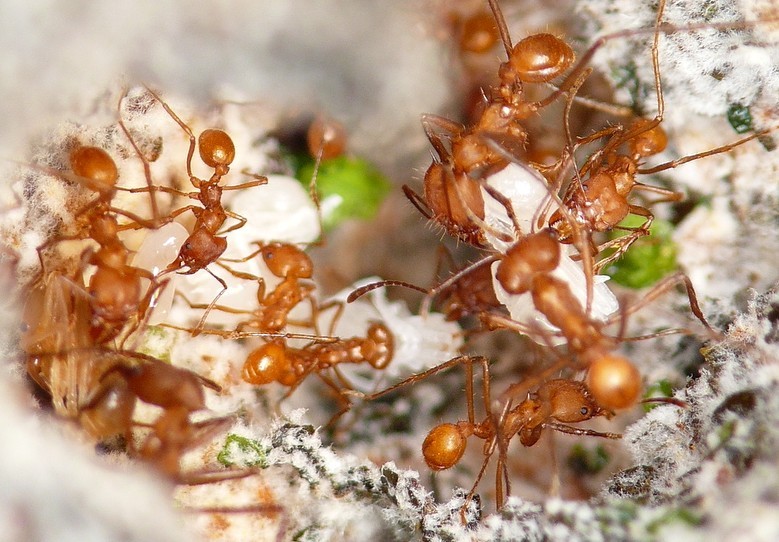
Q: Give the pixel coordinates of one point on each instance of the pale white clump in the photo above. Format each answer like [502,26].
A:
[530,198]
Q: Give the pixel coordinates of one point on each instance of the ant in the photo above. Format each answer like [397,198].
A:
[527,267]
[115,288]
[555,403]
[598,195]
[274,361]
[290,264]
[452,191]
[204,245]
[99,387]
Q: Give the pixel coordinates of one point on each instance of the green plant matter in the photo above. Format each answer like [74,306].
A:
[348,187]
[246,451]
[649,259]
[740,118]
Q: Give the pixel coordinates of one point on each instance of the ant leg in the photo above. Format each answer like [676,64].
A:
[187,129]
[666,195]
[447,126]
[201,323]
[238,274]
[362,290]
[710,152]
[623,243]
[579,431]
[567,124]
[421,376]
[241,222]
[664,286]
[137,221]
[220,308]
[146,167]
[250,334]
[316,310]
[260,181]
[341,395]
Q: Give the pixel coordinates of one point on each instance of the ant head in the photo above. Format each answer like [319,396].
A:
[540,58]
[95,165]
[216,149]
[286,260]
[444,446]
[649,140]
[614,381]
[266,364]
[532,254]
[570,401]
[326,138]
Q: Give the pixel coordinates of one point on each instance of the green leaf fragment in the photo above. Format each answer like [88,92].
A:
[649,259]
[675,515]
[740,118]
[348,187]
[243,451]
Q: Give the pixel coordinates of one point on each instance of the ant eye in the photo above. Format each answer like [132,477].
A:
[584,411]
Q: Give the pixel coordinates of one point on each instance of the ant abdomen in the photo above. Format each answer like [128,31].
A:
[540,58]
[94,164]
[268,363]
[614,382]
[285,260]
[444,446]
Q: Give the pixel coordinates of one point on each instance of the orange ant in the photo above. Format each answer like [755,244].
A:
[527,268]
[204,245]
[99,387]
[115,291]
[290,264]
[274,361]
[597,198]
[453,183]
[555,403]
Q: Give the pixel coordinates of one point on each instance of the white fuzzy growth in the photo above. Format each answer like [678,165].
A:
[704,70]
[52,488]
